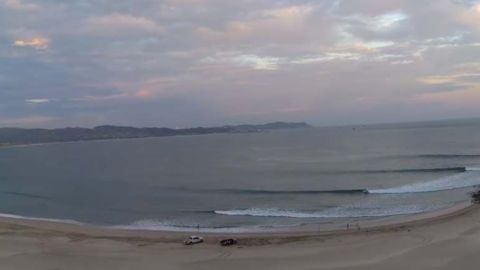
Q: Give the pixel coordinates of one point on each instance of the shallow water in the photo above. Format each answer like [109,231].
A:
[279,178]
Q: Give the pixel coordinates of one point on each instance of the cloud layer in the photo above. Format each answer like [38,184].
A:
[209,62]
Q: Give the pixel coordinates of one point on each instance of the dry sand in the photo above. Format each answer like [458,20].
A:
[447,240]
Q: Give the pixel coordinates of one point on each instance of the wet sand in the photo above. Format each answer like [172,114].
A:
[447,239]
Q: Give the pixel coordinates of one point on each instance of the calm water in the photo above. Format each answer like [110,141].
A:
[245,180]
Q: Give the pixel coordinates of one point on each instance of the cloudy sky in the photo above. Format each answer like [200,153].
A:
[181,63]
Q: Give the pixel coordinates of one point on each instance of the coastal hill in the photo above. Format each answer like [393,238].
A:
[13,136]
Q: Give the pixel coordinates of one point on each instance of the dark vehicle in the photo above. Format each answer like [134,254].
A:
[476,197]
[228,242]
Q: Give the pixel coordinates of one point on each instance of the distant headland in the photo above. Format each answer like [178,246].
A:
[16,136]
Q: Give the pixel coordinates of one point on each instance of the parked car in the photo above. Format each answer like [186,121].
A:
[192,240]
[228,242]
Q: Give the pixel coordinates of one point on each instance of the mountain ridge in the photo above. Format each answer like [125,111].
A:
[15,136]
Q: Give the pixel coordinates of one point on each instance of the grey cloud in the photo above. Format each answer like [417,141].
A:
[209,62]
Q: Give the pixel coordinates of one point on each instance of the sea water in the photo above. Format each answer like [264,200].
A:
[243,182]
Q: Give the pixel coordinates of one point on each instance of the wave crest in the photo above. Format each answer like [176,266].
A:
[337,212]
[300,192]
[463,180]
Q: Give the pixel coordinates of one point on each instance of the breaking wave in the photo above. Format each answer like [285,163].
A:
[463,180]
[468,178]
[28,195]
[293,192]
[432,156]
[336,212]
[427,170]
[450,156]
[66,221]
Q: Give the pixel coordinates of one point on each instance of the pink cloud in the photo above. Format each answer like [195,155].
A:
[36,42]
[19,5]
[26,121]
[120,24]
[144,93]
[285,24]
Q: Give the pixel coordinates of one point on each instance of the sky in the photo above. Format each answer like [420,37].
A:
[183,63]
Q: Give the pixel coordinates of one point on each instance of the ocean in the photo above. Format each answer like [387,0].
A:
[245,182]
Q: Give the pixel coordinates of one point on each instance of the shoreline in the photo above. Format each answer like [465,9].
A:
[45,227]
[439,240]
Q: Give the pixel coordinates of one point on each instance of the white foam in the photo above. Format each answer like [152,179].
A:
[155,225]
[462,180]
[68,221]
[335,212]
[266,212]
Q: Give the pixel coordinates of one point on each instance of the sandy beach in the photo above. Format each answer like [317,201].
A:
[442,240]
